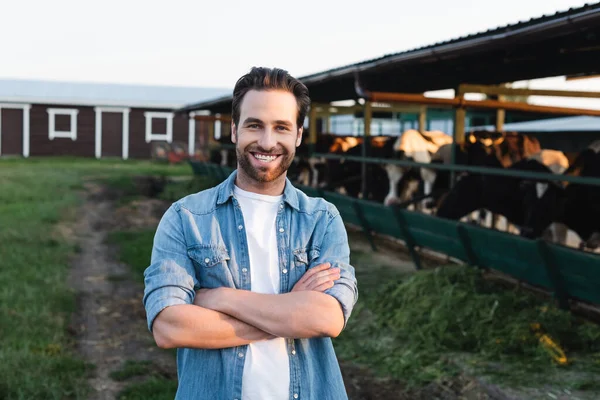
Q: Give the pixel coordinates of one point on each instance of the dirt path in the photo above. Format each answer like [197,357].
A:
[110,322]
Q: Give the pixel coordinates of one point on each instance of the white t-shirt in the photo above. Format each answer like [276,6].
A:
[266,368]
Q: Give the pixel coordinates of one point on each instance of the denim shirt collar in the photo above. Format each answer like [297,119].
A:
[226,191]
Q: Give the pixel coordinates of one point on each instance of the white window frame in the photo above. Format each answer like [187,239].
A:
[52,132]
[168,137]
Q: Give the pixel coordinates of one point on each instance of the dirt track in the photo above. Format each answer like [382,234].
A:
[109,323]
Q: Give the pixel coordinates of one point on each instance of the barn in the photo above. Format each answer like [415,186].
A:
[51,118]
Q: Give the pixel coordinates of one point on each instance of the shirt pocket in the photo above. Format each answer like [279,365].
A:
[212,266]
[303,258]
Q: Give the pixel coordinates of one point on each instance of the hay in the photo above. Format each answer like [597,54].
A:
[421,326]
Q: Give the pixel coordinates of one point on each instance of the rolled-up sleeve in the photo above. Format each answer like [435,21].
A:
[335,250]
[170,279]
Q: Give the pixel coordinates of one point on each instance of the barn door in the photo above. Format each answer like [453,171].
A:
[11,131]
[112,134]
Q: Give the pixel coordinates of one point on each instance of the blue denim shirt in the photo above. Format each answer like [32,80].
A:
[201,243]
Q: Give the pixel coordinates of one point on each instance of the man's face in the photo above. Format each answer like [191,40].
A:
[267,135]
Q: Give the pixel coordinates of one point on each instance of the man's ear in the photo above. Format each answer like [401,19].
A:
[299,136]
[233,132]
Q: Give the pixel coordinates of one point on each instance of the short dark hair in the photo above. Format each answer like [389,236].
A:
[261,78]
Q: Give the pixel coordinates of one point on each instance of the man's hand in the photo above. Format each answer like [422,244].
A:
[319,278]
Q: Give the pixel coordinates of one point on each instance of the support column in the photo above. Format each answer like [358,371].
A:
[98,140]
[191,134]
[312,129]
[422,118]
[500,116]
[368,114]
[125,129]
[26,132]
[459,138]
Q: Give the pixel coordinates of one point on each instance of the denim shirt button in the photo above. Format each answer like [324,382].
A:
[293,352]
[240,227]
[207,260]
[281,230]
[295,395]
[284,271]
[240,355]
[244,270]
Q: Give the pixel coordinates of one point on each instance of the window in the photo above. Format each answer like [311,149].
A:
[167,134]
[62,123]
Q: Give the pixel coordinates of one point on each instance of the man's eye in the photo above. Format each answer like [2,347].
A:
[282,128]
[253,126]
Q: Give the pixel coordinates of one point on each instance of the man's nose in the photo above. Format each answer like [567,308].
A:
[267,140]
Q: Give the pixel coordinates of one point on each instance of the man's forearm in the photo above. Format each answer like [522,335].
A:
[303,314]
[188,325]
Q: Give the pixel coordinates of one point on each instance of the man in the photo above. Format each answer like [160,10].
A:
[251,279]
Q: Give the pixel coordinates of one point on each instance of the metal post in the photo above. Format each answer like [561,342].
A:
[312,129]
[368,113]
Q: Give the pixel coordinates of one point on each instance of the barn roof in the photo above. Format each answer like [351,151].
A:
[102,94]
[564,43]
[580,123]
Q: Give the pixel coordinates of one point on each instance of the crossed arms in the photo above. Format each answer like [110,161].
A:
[319,304]
[226,317]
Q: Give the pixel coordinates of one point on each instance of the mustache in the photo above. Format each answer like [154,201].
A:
[258,149]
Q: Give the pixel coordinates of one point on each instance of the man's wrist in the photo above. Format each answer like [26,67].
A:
[220,299]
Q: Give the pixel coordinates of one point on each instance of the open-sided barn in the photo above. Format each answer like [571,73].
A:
[41,118]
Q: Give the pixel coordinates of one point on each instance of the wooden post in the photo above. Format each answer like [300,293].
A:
[368,113]
[459,138]
[327,123]
[422,118]
[500,116]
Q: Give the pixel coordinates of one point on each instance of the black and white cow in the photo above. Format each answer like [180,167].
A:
[573,205]
[419,147]
[510,197]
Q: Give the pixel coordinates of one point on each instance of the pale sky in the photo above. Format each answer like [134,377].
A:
[200,43]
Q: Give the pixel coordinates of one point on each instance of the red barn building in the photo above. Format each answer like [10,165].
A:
[45,118]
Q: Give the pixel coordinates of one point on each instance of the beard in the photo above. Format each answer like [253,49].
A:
[264,173]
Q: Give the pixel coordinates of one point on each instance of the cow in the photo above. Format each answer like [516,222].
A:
[573,205]
[345,176]
[506,196]
[419,147]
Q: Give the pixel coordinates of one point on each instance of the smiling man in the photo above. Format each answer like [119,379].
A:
[251,279]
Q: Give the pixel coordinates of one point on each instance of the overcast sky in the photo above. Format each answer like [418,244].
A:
[199,43]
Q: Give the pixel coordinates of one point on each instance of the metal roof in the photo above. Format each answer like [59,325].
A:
[564,43]
[580,123]
[102,94]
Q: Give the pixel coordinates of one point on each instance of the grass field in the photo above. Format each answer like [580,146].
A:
[37,196]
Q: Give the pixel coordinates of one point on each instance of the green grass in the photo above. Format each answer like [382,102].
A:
[132,368]
[37,361]
[134,249]
[435,323]
[151,389]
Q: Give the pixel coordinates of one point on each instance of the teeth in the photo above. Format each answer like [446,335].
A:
[264,158]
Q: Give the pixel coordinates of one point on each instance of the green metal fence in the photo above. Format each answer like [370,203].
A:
[568,273]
